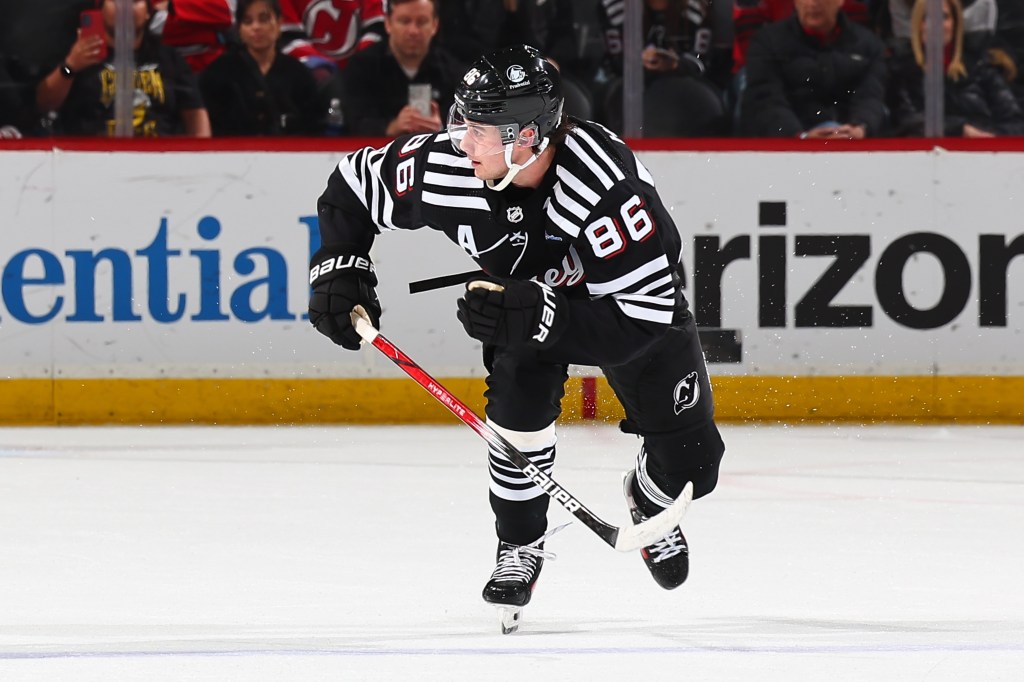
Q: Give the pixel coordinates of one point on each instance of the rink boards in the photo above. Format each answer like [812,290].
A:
[149,286]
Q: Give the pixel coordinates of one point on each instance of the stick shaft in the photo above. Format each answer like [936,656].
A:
[625,539]
[605,531]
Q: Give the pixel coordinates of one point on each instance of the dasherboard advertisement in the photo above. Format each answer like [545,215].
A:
[195,265]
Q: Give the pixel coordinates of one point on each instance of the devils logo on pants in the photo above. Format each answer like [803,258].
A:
[686,393]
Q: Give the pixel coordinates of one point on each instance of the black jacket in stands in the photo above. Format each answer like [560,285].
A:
[595,229]
[242,100]
[794,82]
[376,88]
[982,98]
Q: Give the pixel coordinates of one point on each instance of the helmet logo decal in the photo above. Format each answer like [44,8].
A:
[686,393]
[515,214]
[471,76]
[515,73]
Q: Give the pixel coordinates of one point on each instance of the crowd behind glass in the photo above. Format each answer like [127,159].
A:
[806,69]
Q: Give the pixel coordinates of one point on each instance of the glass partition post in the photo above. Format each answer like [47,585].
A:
[934,110]
[632,69]
[124,68]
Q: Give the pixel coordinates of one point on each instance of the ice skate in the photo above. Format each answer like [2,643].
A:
[512,582]
[668,559]
[514,577]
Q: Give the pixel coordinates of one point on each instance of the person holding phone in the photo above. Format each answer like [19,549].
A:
[82,89]
[403,85]
[89,49]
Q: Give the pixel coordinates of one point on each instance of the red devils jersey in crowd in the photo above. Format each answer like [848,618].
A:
[331,30]
[196,29]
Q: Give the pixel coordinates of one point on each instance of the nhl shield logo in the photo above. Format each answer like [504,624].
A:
[686,393]
[515,214]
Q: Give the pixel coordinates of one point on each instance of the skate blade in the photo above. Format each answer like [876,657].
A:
[508,618]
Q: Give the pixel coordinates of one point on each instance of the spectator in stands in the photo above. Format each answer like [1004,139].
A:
[977,102]
[380,81]
[13,112]
[680,99]
[979,23]
[257,90]
[82,89]
[815,75]
[750,15]
[200,30]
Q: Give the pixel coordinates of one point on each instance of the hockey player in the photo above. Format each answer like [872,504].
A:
[582,265]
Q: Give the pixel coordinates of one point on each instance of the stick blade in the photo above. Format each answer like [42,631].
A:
[636,537]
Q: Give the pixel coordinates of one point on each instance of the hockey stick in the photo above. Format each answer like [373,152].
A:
[624,539]
[443,281]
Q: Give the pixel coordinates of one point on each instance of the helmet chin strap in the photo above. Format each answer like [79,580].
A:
[514,168]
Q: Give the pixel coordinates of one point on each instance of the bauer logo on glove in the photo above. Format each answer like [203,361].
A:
[339,264]
[340,282]
[509,312]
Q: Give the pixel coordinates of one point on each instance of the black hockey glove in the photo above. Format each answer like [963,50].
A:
[340,282]
[511,312]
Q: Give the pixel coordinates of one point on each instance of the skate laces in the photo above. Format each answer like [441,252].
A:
[519,562]
[667,547]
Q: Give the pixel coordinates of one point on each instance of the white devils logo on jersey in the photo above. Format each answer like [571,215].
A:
[515,73]
[515,214]
[686,393]
[335,32]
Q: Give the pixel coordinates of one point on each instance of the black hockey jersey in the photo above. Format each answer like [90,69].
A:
[595,229]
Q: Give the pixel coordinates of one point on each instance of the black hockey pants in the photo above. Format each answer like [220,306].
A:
[667,399]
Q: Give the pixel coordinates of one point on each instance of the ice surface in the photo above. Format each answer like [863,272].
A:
[827,553]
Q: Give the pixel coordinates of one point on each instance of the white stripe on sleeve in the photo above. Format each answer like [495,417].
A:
[576,185]
[445,180]
[455,201]
[567,226]
[629,279]
[589,162]
[567,202]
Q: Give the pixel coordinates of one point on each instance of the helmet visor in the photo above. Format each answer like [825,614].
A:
[478,139]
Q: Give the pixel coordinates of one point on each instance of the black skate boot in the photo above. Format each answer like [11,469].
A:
[668,559]
[511,583]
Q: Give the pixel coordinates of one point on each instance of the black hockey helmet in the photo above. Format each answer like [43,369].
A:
[511,88]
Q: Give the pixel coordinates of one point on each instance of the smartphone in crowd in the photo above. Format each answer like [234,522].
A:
[91,23]
[420,95]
